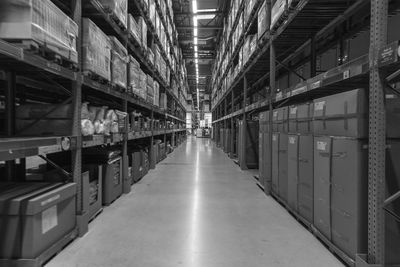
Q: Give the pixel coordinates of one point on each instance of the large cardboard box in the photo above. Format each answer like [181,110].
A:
[293,167]
[306,177]
[41,22]
[118,8]
[96,53]
[119,63]
[300,118]
[263,20]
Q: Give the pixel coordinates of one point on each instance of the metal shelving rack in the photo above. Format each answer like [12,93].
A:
[33,72]
[286,42]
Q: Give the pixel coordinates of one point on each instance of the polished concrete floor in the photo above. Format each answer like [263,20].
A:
[196,209]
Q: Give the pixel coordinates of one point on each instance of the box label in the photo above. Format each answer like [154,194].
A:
[319,105]
[293,110]
[49,219]
[292,140]
[274,138]
[322,145]
[275,114]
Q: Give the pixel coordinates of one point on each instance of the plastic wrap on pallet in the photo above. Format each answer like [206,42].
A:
[152,12]
[119,61]
[277,10]
[41,22]
[118,8]
[151,56]
[143,85]
[143,31]
[263,20]
[134,28]
[96,52]
[156,94]
[134,76]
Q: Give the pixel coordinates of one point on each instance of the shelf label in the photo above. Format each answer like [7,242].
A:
[322,145]
[292,140]
[315,85]
[389,54]
[299,90]
[49,149]
[319,105]
[346,74]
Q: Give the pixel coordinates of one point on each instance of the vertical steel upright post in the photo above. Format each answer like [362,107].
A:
[377,136]
[232,125]
[82,214]
[151,149]
[10,91]
[243,143]
[272,91]
[313,65]
[125,159]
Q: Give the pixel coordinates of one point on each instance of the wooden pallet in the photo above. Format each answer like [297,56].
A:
[96,77]
[45,256]
[45,51]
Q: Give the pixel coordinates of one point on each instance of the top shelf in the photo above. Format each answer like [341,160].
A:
[305,18]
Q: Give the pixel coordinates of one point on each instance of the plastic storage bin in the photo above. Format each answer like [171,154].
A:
[34,216]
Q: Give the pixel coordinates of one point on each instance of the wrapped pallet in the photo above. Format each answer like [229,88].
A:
[156,94]
[96,53]
[119,61]
[134,76]
[134,28]
[39,23]
[150,89]
[163,100]
[118,8]
[143,85]
[143,30]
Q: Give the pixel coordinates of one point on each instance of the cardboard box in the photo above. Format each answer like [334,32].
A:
[39,22]
[96,53]
[263,20]
[119,63]
[119,9]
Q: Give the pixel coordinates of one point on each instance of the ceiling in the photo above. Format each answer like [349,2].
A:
[209,30]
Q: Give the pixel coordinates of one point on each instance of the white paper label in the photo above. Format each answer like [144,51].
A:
[319,105]
[293,110]
[322,145]
[292,140]
[274,138]
[49,219]
[275,114]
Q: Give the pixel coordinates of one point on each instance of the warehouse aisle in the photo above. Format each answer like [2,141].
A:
[197,208]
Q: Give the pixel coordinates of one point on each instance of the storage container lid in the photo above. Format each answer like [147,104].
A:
[32,198]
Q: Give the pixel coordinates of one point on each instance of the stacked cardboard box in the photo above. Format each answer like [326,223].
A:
[143,85]
[263,20]
[96,54]
[143,31]
[134,28]
[156,101]
[118,8]
[150,89]
[119,61]
[134,76]
[39,21]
